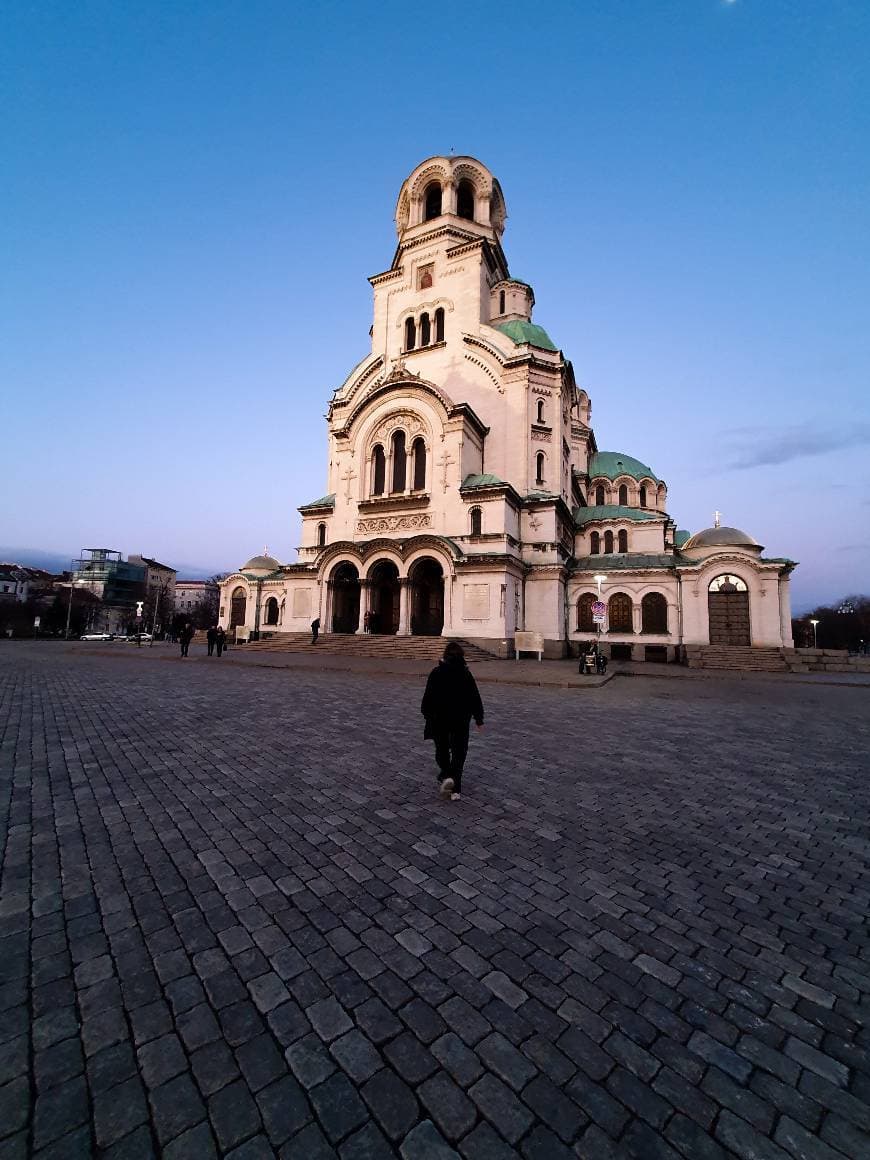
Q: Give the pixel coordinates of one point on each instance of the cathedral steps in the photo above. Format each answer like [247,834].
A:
[736,658]
[420,648]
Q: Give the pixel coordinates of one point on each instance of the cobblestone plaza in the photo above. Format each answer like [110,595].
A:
[237,921]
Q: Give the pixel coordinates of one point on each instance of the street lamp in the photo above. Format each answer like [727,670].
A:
[815,625]
[599,579]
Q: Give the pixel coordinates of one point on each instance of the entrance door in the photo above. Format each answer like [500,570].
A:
[238,607]
[384,610]
[728,611]
[427,598]
[345,599]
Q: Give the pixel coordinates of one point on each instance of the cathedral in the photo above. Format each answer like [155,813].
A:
[466,495]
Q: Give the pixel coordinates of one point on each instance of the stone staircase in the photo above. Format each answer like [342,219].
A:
[415,648]
[736,658]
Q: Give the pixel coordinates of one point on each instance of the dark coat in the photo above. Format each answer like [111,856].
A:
[211,635]
[451,698]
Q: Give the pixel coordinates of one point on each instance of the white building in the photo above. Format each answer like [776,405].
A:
[465,491]
[191,595]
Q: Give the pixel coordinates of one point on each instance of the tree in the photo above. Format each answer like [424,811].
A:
[845,624]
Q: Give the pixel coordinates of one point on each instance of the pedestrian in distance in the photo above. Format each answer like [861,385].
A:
[450,702]
[185,637]
[315,630]
[220,640]
[211,637]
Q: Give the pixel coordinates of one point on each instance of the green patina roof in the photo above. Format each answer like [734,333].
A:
[625,563]
[610,464]
[481,481]
[520,332]
[606,511]
[681,537]
[324,501]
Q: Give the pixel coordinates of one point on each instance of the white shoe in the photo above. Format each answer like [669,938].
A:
[446,787]
[456,797]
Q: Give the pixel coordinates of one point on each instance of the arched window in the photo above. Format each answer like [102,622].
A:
[622,540]
[595,544]
[608,543]
[599,494]
[419,453]
[433,201]
[476,521]
[439,324]
[425,330]
[623,495]
[465,201]
[272,610]
[585,622]
[379,470]
[654,613]
[399,461]
[501,301]
[410,334]
[540,418]
[642,496]
[321,533]
[619,613]
[539,467]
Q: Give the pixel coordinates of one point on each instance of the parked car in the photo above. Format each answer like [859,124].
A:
[97,636]
[144,636]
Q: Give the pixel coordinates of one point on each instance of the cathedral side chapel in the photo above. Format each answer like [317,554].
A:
[466,494]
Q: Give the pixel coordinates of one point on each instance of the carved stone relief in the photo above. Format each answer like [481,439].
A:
[393,523]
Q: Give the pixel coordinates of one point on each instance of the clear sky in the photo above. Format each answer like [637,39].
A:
[193,192]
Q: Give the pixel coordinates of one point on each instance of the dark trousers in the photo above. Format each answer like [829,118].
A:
[185,645]
[451,746]
[211,648]
[314,635]
[220,648]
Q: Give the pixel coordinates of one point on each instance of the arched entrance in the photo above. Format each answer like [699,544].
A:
[271,616]
[238,607]
[384,590]
[728,611]
[427,597]
[345,598]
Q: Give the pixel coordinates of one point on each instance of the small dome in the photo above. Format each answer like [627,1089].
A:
[261,564]
[612,464]
[721,538]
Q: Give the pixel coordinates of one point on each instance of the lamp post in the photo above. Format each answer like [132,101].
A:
[599,580]
[815,625]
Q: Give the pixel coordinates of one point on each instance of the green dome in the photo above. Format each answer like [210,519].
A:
[611,464]
[526,332]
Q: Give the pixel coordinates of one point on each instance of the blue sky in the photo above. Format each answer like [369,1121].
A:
[193,195]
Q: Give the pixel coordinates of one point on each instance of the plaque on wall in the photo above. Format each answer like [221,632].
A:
[475,602]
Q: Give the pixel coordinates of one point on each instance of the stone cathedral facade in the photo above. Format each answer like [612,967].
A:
[466,494]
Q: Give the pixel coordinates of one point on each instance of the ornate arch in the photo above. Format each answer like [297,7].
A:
[426,176]
[399,386]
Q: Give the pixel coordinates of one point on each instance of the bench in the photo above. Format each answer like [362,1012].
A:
[243,635]
[529,642]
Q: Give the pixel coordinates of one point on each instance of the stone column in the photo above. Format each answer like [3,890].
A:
[404,607]
[363,606]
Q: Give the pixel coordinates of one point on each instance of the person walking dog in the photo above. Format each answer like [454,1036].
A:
[449,703]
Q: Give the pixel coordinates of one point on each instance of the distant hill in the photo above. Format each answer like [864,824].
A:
[58,562]
[36,558]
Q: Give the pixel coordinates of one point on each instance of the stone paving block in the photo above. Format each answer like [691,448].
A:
[410,1058]
[448,1106]
[356,1055]
[338,1107]
[392,1103]
[501,1107]
[425,1142]
[195,1143]
[485,1144]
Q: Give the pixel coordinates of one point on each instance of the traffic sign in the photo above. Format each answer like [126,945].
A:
[598,619]
[598,608]
[36,622]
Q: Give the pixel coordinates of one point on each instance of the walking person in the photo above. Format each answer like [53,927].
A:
[211,637]
[220,640]
[315,630]
[185,637]
[450,702]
